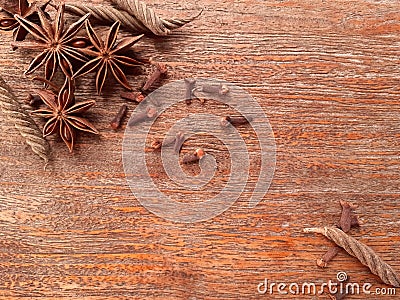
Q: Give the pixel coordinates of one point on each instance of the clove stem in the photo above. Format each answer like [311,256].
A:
[116,122]
[34,100]
[179,140]
[235,121]
[136,97]
[194,157]
[159,71]
[220,89]
[190,85]
[347,221]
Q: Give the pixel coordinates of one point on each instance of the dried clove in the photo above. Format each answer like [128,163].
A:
[328,256]
[220,89]
[149,114]
[235,121]
[190,86]
[159,72]
[194,157]
[33,100]
[355,222]
[346,217]
[135,97]
[179,140]
[347,221]
[116,122]
[157,144]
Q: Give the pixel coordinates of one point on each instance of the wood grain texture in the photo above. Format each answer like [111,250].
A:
[327,75]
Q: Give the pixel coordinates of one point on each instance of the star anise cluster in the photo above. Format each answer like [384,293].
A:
[24,9]
[74,52]
[63,113]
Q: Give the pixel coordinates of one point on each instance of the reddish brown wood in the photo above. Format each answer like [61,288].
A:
[327,75]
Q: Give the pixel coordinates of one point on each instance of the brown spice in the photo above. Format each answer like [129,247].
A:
[235,121]
[108,57]
[220,89]
[64,114]
[194,157]
[179,140]
[116,122]
[54,41]
[159,72]
[328,256]
[362,252]
[136,97]
[80,43]
[190,84]
[157,144]
[346,216]
[149,114]
[347,221]
[33,100]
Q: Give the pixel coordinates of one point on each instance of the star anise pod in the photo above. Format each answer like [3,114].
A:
[24,9]
[108,56]
[59,46]
[63,113]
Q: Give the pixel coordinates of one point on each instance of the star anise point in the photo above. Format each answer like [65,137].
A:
[107,57]
[54,41]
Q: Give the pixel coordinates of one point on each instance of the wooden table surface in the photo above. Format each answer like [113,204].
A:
[327,75]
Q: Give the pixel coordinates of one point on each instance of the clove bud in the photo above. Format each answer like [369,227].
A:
[194,157]
[159,72]
[116,122]
[328,256]
[136,97]
[220,89]
[157,143]
[177,141]
[149,114]
[190,85]
[347,221]
[235,121]
[34,100]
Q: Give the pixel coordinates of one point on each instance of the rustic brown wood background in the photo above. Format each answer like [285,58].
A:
[327,75]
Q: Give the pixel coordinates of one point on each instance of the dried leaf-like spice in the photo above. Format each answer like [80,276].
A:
[59,46]
[108,57]
[23,121]
[362,252]
[63,114]
[139,19]
[24,9]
